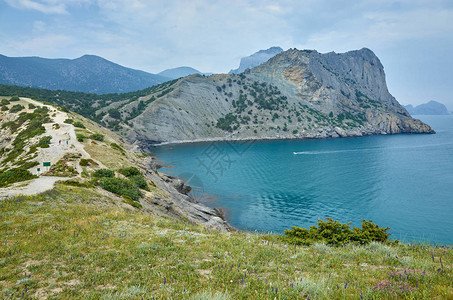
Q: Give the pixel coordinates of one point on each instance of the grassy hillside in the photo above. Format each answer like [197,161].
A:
[74,242]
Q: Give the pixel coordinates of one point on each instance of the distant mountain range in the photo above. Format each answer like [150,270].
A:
[179,72]
[430,108]
[89,73]
[256,59]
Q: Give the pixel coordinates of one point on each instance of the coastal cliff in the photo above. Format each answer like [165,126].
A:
[295,94]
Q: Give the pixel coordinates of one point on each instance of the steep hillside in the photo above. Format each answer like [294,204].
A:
[84,154]
[296,94]
[89,73]
[256,59]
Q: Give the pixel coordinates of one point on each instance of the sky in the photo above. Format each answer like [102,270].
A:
[412,38]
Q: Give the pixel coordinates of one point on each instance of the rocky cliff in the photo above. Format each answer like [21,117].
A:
[256,59]
[296,94]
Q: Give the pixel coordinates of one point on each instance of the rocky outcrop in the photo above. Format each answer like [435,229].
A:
[295,94]
[256,59]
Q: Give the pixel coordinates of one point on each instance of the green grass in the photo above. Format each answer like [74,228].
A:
[76,243]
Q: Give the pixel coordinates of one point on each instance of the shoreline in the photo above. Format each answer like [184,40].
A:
[257,139]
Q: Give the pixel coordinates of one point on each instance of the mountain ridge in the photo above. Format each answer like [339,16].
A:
[88,73]
[295,94]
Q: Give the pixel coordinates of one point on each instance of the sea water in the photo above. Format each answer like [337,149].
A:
[401,181]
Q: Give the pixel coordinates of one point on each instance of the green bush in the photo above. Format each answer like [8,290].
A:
[5,108]
[120,186]
[31,106]
[131,171]
[335,233]
[101,173]
[97,137]
[5,102]
[69,121]
[14,98]
[15,175]
[139,181]
[16,108]
[81,137]
[44,142]
[79,124]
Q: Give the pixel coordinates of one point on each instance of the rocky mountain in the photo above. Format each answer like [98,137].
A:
[256,59]
[176,73]
[89,73]
[295,94]
[430,108]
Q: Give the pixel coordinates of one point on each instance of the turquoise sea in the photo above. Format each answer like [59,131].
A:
[404,181]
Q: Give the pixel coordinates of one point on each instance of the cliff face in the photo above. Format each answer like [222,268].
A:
[256,59]
[296,94]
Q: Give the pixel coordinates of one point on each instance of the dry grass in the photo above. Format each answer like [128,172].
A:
[78,243]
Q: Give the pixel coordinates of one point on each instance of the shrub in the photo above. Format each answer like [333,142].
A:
[115,113]
[131,202]
[131,171]
[139,181]
[16,108]
[335,233]
[84,162]
[44,142]
[97,137]
[79,124]
[121,187]
[31,106]
[87,162]
[69,121]
[15,175]
[5,102]
[64,109]
[101,173]
[81,137]
[14,98]
[5,108]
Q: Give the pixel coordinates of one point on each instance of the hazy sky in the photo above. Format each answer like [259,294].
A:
[413,38]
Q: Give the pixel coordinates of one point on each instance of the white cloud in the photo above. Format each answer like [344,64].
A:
[44,7]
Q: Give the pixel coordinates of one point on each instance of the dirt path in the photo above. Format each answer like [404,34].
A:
[30,187]
[63,141]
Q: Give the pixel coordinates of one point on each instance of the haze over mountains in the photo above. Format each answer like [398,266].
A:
[430,108]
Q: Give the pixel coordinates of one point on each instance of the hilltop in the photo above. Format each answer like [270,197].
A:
[88,73]
[82,153]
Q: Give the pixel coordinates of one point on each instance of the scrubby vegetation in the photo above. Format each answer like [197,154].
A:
[120,186]
[15,175]
[33,123]
[334,233]
[101,173]
[44,142]
[73,242]
[97,137]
